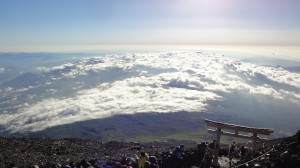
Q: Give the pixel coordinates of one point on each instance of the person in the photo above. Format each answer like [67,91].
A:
[147,164]
[179,153]
[206,161]
[214,150]
[213,145]
[153,162]
[130,162]
[142,159]
[298,137]
[243,151]
[231,150]
[103,164]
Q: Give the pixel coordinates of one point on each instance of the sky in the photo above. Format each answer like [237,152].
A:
[49,25]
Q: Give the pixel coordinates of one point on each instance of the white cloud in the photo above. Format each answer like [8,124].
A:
[133,95]
[2,70]
[186,81]
[266,90]
[278,75]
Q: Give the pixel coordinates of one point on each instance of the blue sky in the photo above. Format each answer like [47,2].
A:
[40,23]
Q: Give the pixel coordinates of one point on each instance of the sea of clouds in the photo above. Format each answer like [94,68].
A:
[146,82]
[2,70]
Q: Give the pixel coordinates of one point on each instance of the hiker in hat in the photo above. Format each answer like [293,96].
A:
[142,159]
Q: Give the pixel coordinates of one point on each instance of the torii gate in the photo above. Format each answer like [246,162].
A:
[236,129]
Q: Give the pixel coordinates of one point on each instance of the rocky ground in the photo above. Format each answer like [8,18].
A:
[40,152]
[280,153]
[28,152]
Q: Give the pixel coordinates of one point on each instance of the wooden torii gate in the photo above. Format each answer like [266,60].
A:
[237,129]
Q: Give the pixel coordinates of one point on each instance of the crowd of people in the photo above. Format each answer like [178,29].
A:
[202,157]
[276,153]
[48,153]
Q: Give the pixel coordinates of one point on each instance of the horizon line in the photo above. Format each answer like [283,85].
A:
[130,47]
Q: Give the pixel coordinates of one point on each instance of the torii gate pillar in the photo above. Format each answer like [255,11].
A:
[219,132]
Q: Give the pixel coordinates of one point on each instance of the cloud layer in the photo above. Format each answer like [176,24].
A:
[146,82]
